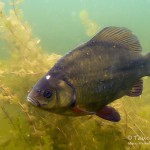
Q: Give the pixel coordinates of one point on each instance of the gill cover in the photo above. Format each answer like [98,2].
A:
[65,94]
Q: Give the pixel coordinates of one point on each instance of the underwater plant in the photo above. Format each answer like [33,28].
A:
[90,25]
[26,127]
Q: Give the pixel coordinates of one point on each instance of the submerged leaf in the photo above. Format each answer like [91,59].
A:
[15,2]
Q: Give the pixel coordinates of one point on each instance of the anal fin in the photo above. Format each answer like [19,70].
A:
[109,113]
[136,89]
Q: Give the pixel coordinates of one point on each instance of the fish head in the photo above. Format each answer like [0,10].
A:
[43,93]
[51,93]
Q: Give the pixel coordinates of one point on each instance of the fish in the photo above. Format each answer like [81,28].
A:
[90,77]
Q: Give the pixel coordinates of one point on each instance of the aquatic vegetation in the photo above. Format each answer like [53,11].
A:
[90,25]
[23,125]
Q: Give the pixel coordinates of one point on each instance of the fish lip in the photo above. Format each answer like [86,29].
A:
[33,101]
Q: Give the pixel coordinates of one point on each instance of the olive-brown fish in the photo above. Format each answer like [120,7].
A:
[86,79]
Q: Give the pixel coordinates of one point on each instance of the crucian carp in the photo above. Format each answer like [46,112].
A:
[96,73]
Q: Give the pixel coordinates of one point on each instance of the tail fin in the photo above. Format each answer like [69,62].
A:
[147,69]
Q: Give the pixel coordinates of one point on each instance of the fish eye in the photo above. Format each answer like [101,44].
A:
[47,94]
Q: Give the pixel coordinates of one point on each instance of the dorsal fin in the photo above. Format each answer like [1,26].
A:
[119,36]
[136,89]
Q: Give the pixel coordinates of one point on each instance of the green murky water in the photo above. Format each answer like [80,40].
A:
[33,35]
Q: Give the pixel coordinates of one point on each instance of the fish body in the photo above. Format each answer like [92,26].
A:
[86,79]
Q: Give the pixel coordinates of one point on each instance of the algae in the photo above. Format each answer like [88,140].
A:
[26,127]
[91,26]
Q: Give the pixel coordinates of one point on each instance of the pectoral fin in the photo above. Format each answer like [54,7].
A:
[80,111]
[109,113]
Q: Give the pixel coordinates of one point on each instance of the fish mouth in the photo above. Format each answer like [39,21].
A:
[33,101]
